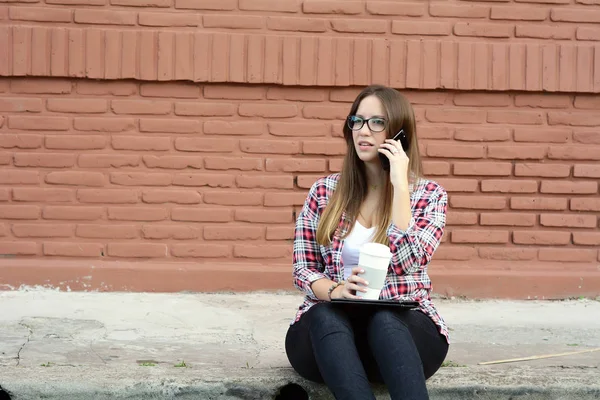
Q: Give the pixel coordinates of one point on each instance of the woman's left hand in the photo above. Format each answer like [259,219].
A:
[392,149]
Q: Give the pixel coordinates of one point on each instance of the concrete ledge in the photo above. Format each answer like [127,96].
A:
[484,280]
[469,383]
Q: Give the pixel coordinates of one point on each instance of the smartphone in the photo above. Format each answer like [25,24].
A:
[385,162]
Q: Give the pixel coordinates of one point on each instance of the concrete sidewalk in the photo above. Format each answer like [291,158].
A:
[59,345]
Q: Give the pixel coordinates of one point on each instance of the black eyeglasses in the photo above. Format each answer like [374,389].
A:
[375,124]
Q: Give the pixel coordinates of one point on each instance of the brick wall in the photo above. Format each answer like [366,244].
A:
[168,145]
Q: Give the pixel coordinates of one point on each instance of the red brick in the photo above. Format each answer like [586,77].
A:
[567,255]
[90,124]
[19,212]
[141,107]
[210,180]
[261,251]
[435,132]
[409,9]
[517,153]
[107,88]
[171,196]
[233,232]
[141,143]
[542,135]
[455,150]
[537,203]
[545,31]
[112,231]
[42,230]
[77,249]
[562,187]
[519,13]
[233,198]
[265,182]
[543,170]
[137,250]
[201,250]
[225,163]
[75,142]
[296,94]
[177,232]
[568,220]
[301,129]
[295,165]
[43,195]
[170,90]
[306,181]
[574,152]
[77,178]
[574,15]
[169,19]
[542,101]
[585,204]
[44,160]
[325,112]
[284,199]
[478,202]
[327,148]
[335,165]
[40,15]
[479,236]
[573,118]
[20,141]
[87,106]
[245,128]
[359,26]
[290,6]
[280,233]
[483,29]
[459,185]
[483,134]
[267,110]
[205,144]
[587,33]
[587,137]
[108,160]
[425,28]
[140,179]
[458,11]
[332,7]
[172,162]
[542,238]
[263,216]
[104,17]
[297,24]
[140,3]
[270,146]
[482,100]
[455,253]
[17,177]
[233,22]
[204,109]
[461,218]
[482,168]
[507,219]
[455,116]
[137,213]
[15,104]
[169,125]
[18,248]
[586,171]
[436,168]
[201,214]
[40,86]
[232,92]
[516,117]
[509,186]
[586,238]
[39,123]
[507,254]
[73,213]
[110,196]
[217,5]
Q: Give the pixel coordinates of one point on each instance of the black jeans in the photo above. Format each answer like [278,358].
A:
[348,349]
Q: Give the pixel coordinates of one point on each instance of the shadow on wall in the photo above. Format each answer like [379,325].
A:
[4,395]
[291,391]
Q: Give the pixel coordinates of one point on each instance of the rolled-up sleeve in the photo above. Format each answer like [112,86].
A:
[413,248]
[307,259]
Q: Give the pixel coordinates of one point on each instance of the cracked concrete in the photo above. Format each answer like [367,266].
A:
[92,345]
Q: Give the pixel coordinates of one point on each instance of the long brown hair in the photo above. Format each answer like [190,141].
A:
[352,187]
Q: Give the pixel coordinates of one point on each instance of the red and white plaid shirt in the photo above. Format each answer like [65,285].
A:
[411,249]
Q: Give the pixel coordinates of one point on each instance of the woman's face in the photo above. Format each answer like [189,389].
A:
[373,133]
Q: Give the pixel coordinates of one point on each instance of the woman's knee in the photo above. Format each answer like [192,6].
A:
[383,320]
[325,318]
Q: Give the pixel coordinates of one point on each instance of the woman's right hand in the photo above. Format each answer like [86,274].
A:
[353,284]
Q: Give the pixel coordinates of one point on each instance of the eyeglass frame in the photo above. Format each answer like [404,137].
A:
[365,121]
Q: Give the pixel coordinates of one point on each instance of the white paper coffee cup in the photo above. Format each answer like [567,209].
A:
[374,259]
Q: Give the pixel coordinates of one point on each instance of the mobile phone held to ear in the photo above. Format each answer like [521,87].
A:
[385,162]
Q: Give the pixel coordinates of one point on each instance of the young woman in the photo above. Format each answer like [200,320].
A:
[367,203]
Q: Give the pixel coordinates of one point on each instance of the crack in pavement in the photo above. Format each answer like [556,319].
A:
[24,344]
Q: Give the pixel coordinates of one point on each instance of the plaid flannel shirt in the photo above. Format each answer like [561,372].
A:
[412,249]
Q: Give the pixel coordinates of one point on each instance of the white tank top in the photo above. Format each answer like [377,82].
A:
[359,236]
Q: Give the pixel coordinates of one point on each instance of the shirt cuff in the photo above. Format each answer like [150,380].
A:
[395,233]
